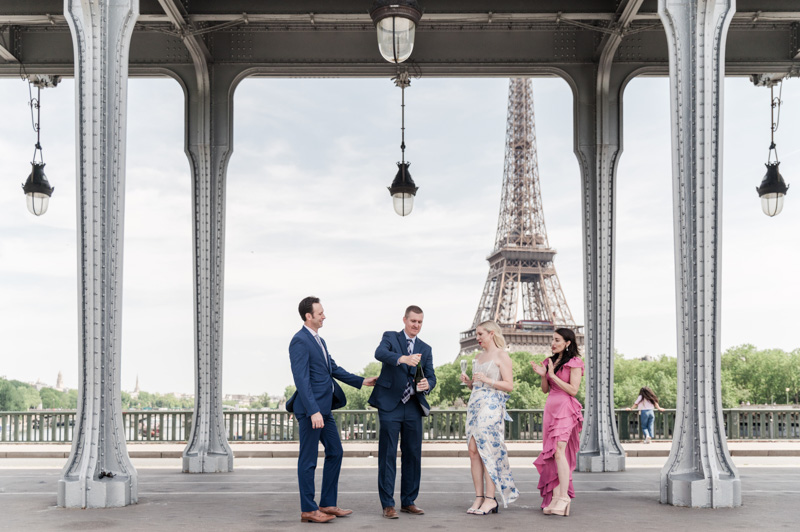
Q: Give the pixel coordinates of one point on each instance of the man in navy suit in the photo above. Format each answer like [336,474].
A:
[401,405]
[313,370]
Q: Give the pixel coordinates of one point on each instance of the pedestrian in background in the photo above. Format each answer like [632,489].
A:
[646,402]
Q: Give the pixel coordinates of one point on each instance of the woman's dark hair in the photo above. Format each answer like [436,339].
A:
[648,394]
[570,352]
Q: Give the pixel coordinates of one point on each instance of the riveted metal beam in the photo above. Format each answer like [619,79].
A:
[699,471]
[598,145]
[99,473]
[208,146]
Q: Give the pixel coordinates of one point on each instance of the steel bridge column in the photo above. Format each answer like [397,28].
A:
[597,146]
[208,147]
[98,473]
[699,471]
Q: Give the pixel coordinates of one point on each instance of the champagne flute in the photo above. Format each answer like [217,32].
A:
[463,370]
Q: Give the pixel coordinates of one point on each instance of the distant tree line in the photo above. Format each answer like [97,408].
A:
[16,396]
[748,375]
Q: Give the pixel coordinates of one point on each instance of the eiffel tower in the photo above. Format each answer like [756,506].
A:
[521,266]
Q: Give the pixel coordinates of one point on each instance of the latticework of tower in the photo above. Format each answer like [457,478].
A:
[521,265]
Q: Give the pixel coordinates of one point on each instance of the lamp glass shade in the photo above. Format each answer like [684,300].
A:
[396,38]
[403,203]
[772,190]
[772,204]
[37,203]
[37,190]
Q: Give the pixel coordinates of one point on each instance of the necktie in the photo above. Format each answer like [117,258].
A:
[319,341]
[409,387]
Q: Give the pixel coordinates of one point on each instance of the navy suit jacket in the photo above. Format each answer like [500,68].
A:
[313,377]
[393,378]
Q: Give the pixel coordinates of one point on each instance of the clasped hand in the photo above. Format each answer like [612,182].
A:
[422,385]
[411,360]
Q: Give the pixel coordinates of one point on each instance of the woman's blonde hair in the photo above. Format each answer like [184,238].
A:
[491,326]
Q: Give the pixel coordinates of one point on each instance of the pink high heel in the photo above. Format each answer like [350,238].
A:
[561,507]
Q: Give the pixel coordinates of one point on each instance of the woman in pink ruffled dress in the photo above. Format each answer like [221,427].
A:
[561,377]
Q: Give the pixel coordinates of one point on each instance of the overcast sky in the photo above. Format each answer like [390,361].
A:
[309,213]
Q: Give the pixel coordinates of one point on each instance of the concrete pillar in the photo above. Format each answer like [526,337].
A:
[98,473]
[699,471]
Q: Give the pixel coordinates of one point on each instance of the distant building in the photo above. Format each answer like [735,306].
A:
[136,391]
[241,400]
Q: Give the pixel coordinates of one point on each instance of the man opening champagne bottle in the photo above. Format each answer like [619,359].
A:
[406,377]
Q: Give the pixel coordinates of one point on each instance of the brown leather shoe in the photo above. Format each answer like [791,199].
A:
[335,510]
[390,513]
[413,509]
[315,517]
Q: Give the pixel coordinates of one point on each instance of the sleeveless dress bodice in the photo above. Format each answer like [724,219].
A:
[490,369]
[486,416]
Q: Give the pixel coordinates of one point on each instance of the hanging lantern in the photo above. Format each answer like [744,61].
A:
[403,190]
[396,22]
[773,188]
[37,190]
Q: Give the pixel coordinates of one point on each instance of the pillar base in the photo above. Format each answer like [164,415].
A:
[594,462]
[208,463]
[690,489]
[106,493]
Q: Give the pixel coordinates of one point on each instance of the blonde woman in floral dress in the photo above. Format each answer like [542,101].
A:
[491,382]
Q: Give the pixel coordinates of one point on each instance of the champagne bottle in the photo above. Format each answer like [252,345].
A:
[418,376]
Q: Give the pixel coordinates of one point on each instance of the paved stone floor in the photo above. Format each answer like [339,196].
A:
[262,495]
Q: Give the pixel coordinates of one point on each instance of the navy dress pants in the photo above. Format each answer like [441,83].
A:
[307,462]
[405,422]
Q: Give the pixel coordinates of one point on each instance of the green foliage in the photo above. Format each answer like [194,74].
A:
[18,396]
[152,401]
[289,391]
[56,400]
[448,384]
[357,398]
[630,375]
[760,377]
[262,402]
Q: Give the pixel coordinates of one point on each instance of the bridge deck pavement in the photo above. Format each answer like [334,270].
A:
[359,449]
[261,494]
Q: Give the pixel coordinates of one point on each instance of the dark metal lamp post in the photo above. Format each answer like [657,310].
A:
[396,22]
[773,188]
[403,188]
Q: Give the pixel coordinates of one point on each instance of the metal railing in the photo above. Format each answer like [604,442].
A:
[58,426]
